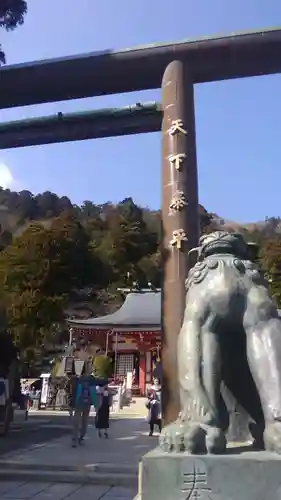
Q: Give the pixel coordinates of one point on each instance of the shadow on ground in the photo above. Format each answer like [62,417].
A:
[128,442]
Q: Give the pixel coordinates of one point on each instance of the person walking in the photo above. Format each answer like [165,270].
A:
[154,413]
[103,409]
[156,387]
[69,392]
[83,398]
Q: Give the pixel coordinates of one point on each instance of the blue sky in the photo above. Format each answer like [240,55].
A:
[237,122]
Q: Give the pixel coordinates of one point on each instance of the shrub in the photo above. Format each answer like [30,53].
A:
[102,366]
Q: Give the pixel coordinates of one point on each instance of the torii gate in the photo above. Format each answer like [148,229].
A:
[177,67]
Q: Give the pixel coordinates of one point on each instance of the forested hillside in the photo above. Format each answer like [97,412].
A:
[55,254]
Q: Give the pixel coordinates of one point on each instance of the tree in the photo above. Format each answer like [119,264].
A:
[8,351]
[47,203]
[122,240]
[150,270]
[12,14]
[37,274]
[270,259]
[139,241]
[32,305]
[5,239]
[75,265]
[89,209]
[102,366]
[205,219]
[64,204]
[271,226]
[112,253]
[27,205]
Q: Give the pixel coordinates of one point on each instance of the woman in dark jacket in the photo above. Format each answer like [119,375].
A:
[102,416]
[154,412]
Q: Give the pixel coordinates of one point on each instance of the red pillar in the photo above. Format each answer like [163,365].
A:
[142,374]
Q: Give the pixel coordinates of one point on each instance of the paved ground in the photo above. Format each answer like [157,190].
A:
[40,464]
[37,430]
[59,491]
[128,442]
[135,409]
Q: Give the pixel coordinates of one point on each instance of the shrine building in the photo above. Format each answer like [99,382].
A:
[131,337]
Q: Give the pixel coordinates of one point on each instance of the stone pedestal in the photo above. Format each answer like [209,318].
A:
[246,475]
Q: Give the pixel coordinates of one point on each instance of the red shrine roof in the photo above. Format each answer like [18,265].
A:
[140,311]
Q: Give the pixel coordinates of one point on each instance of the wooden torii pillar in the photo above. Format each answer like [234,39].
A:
[180,216]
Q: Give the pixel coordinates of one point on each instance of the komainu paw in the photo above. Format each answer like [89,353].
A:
[183,436]
[272,437]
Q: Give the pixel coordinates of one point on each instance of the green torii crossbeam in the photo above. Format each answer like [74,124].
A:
[63,127]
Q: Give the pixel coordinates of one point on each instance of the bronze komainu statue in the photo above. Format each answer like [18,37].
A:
[231,336]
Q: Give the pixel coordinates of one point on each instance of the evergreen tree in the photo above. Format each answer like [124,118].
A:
[12,14]
[270,258]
